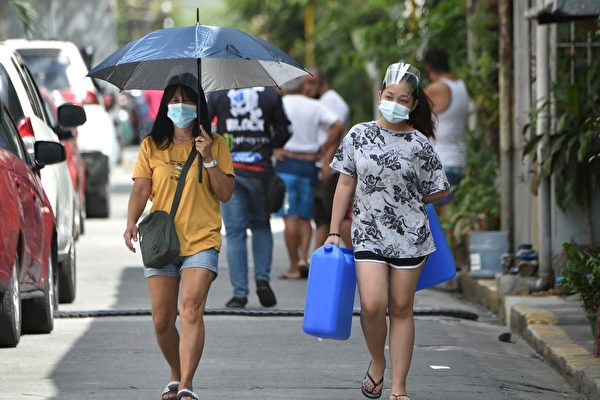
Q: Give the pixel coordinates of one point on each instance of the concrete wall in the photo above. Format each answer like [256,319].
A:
[569,226]
[84,22]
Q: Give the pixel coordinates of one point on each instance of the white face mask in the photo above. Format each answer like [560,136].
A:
[393,112]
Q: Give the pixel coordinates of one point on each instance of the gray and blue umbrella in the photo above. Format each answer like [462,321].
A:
[214,58]
[225,58]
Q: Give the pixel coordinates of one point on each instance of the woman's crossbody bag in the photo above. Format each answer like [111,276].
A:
[158,238]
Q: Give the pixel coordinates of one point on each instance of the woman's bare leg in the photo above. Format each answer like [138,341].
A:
[372,286]
[163,300]
[403,283]
[195,283]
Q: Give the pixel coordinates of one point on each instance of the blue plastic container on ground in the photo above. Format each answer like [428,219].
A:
[330,293]
[440,267]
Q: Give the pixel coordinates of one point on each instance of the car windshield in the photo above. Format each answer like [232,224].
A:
[49,69]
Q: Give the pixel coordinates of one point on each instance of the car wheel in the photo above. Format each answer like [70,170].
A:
[67,277]
[38,313]
[97,204]
[10,310]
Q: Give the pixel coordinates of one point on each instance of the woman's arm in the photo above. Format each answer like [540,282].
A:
[221,183]
[140,193]
[436,196]
[344,191]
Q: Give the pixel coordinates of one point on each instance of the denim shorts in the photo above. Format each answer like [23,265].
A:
[298,197]
[208,259]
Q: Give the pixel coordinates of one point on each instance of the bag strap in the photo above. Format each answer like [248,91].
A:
[181,182]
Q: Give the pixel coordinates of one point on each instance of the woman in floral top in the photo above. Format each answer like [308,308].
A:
[392,170]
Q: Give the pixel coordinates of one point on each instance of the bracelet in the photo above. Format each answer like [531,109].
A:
[334,234]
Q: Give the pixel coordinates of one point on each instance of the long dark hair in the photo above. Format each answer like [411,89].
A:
[422,117]
[162,129]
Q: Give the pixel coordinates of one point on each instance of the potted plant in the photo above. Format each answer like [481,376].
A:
[581,273]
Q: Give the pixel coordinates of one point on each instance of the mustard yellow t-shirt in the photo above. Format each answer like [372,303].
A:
[198,218]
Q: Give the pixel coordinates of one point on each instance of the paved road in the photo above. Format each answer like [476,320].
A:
[252,357]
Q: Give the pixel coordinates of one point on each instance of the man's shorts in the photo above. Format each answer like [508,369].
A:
[208,259]
[299,191]
[323,204]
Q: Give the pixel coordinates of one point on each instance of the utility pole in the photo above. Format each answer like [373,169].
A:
[542,129]
[309,32]
[505,83]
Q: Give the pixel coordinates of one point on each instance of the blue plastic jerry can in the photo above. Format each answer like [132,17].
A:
[440,267]
[330,293]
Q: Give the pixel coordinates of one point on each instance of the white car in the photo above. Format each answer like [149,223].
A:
[60,68]
[20,94]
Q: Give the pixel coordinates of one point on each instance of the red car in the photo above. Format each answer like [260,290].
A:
[28,252]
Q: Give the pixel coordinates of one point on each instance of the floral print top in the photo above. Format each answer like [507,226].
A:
[393,171]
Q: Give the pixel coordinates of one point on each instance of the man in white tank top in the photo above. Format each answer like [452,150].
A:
[450,102]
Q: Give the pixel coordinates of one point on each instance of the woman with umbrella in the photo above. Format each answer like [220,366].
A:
[162,156]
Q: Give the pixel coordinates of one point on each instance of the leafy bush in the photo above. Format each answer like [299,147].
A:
[581,272]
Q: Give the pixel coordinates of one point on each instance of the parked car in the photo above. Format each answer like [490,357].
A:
[60,67]
[21,96]
[28,247]
[75,162]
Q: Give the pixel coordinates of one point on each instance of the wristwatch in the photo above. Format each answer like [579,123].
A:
[211,164]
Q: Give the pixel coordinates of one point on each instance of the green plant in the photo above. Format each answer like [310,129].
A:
[570,157]
[581,272]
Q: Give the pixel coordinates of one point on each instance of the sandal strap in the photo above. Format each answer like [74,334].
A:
[187,393]
[373,380]
[172,386]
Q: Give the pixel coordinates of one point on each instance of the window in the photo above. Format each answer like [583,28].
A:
[48,68]
[10,139]
[31,95]
[9,97]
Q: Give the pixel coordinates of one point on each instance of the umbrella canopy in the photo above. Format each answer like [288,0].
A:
[229,59]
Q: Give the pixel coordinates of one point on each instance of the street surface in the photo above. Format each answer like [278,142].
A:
[252,357]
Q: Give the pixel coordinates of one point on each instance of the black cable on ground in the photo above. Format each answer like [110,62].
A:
[257,312]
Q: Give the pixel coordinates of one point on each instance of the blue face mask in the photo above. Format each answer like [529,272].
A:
[393,112]
[181,114]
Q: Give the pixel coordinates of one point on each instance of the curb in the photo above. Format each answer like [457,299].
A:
[540,330]
[575,363]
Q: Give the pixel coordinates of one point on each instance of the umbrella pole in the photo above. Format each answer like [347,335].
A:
[199,113]
[200,93]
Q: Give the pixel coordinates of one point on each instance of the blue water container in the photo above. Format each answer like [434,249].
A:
[485,252]
[440,267]
[330,293]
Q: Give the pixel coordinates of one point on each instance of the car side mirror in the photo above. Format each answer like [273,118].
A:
[47,153]
[70,115]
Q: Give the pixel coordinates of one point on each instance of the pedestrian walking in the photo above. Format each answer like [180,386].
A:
[254,123]
[317,87]
[296,167]
[450,102]
[198,223]
[394,171]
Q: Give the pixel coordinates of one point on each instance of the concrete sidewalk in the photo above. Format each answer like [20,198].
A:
[555,326]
